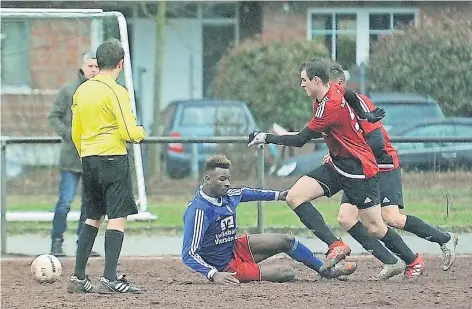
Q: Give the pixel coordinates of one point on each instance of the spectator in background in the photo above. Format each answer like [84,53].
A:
[60,118]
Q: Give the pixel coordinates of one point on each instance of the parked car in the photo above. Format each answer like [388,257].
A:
[436,155]
[206,117]
[418,156]
[405,108]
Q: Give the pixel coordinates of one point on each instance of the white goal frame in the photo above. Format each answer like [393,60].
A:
[142,202]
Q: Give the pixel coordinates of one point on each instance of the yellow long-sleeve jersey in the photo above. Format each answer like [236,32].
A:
[102,119]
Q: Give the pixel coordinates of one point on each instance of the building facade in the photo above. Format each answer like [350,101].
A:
[38,56]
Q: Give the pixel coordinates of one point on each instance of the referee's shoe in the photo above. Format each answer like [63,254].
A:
[120,285]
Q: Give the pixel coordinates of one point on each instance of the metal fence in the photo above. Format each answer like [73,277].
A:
[5,141]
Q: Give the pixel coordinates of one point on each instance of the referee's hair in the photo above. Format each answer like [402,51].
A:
[109,54]
[217,161]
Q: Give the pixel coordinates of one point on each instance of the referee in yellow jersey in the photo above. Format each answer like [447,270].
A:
[102,123]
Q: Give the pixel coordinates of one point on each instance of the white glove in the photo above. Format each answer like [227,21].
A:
[257,138]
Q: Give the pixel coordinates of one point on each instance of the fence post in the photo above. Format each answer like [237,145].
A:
[3,207]
[260,185]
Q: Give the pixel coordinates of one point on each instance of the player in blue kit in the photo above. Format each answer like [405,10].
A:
[210,244]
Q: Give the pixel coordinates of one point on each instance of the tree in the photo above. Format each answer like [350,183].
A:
[160,23]
[433,59]
[266,76]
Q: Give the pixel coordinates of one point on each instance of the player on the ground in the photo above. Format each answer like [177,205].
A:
[211,247]
[390,186]
[353,169]
[102,123]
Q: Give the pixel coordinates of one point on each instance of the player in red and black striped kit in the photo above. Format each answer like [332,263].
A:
[353,169]
[390,186]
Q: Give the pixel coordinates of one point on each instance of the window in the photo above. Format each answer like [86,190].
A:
[348,33]
[337,31]
[15,56]
[381,24]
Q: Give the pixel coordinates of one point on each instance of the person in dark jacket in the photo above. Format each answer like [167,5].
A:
[60,118]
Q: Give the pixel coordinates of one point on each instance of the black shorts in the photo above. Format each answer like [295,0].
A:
[363,193]
[390,187]
[108,189]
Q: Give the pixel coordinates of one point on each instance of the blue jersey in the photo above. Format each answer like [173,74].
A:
[210,228]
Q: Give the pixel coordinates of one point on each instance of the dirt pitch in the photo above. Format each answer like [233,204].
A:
[169,284]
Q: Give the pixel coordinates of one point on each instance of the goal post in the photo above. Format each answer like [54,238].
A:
[33,71]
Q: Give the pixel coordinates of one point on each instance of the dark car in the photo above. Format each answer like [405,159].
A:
[435,155]
[418,156]
[404,108]
[206,117]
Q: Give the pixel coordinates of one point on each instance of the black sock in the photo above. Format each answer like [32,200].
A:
[84,247]
[113,243]
[314,221]
[421,229]
[371,244]
[395,243]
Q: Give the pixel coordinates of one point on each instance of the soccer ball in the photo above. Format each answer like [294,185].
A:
[46,268]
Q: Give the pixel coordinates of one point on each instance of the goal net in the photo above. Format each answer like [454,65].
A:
[41,50]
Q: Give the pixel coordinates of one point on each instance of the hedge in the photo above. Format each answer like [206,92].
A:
[432,59]
[266,76]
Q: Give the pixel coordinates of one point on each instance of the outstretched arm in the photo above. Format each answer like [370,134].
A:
[292,140]
[251,194]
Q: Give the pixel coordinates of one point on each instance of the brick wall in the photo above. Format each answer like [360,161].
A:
[459,10]
[55,50]
[54,55]
[280,25]
[25,114]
